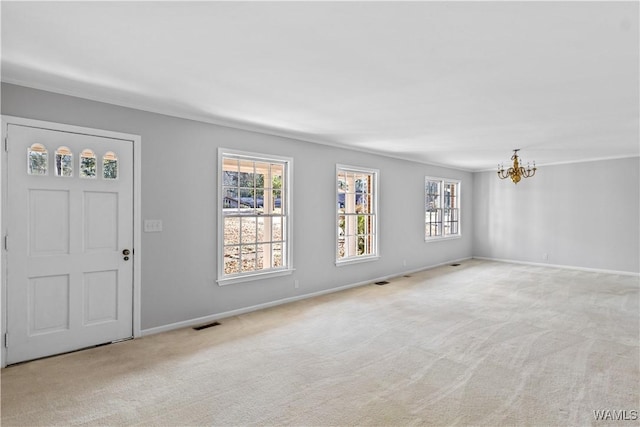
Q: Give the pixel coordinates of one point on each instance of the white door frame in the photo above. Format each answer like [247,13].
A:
[137,231]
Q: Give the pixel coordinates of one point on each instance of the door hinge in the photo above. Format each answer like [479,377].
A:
[6,340]
[6,242]
[6,144]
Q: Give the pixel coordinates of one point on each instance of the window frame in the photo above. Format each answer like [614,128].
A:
[375,255]
[225,279]
[442,183]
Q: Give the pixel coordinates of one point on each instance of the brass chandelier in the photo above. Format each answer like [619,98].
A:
[516,172]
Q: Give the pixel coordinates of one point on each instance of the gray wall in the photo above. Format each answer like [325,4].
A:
[179,179]
[580,215]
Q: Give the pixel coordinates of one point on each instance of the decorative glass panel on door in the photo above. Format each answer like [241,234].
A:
[88,164]
[37,160]
[110,166]
[64,162]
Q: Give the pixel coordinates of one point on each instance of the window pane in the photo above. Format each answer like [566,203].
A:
[248,234]
[262,232]
[341,200]
[262,256]
[64,162]
[342,181]
[362,224]
[277,176]
[276,228]
[433,195]
[362,246]
[248,258]
[361,183]
[362,203]
[230,173]
[87,164]
[230,199]
[231,259]
[110,166]
[451,222]
[278,255]
[232,230]
[258,202]
[262,170]
[454,228]
[277,201]
[37,160]
[246,176]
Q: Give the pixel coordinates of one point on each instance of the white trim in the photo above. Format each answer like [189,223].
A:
[570,162]
[441,238]
[356,260]
[153,107]
[288,191]
[263,275]
[137,215]
[244,310]
[564,267]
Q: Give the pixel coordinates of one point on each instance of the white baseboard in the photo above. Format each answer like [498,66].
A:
[565,267]
[244,310]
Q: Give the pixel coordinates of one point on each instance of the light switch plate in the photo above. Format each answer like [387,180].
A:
[152,225]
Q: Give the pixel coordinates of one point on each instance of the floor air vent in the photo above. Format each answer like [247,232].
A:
[208,325]
[384,282]
[406,275]
[454,265]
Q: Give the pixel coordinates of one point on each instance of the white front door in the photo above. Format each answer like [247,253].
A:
[69,227]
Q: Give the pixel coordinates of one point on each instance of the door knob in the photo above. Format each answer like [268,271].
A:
[126,252]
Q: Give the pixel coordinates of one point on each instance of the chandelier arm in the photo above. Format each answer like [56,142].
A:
[530,172]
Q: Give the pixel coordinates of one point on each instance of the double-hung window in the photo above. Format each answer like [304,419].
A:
[254,216]
[442,208]
[356,214]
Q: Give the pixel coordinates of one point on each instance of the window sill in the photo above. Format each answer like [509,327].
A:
[249,277]
[356,260]
[439,239]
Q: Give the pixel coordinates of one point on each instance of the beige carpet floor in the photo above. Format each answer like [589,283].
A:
[484,343]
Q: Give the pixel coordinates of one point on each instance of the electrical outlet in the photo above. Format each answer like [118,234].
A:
[296,284]
[404,262]
[545,256]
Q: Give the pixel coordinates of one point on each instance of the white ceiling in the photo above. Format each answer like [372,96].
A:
[453,83]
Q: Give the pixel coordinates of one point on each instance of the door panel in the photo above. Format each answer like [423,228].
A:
[48,304]
[48,222]
[100,221]
[100,297]
[70,216]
